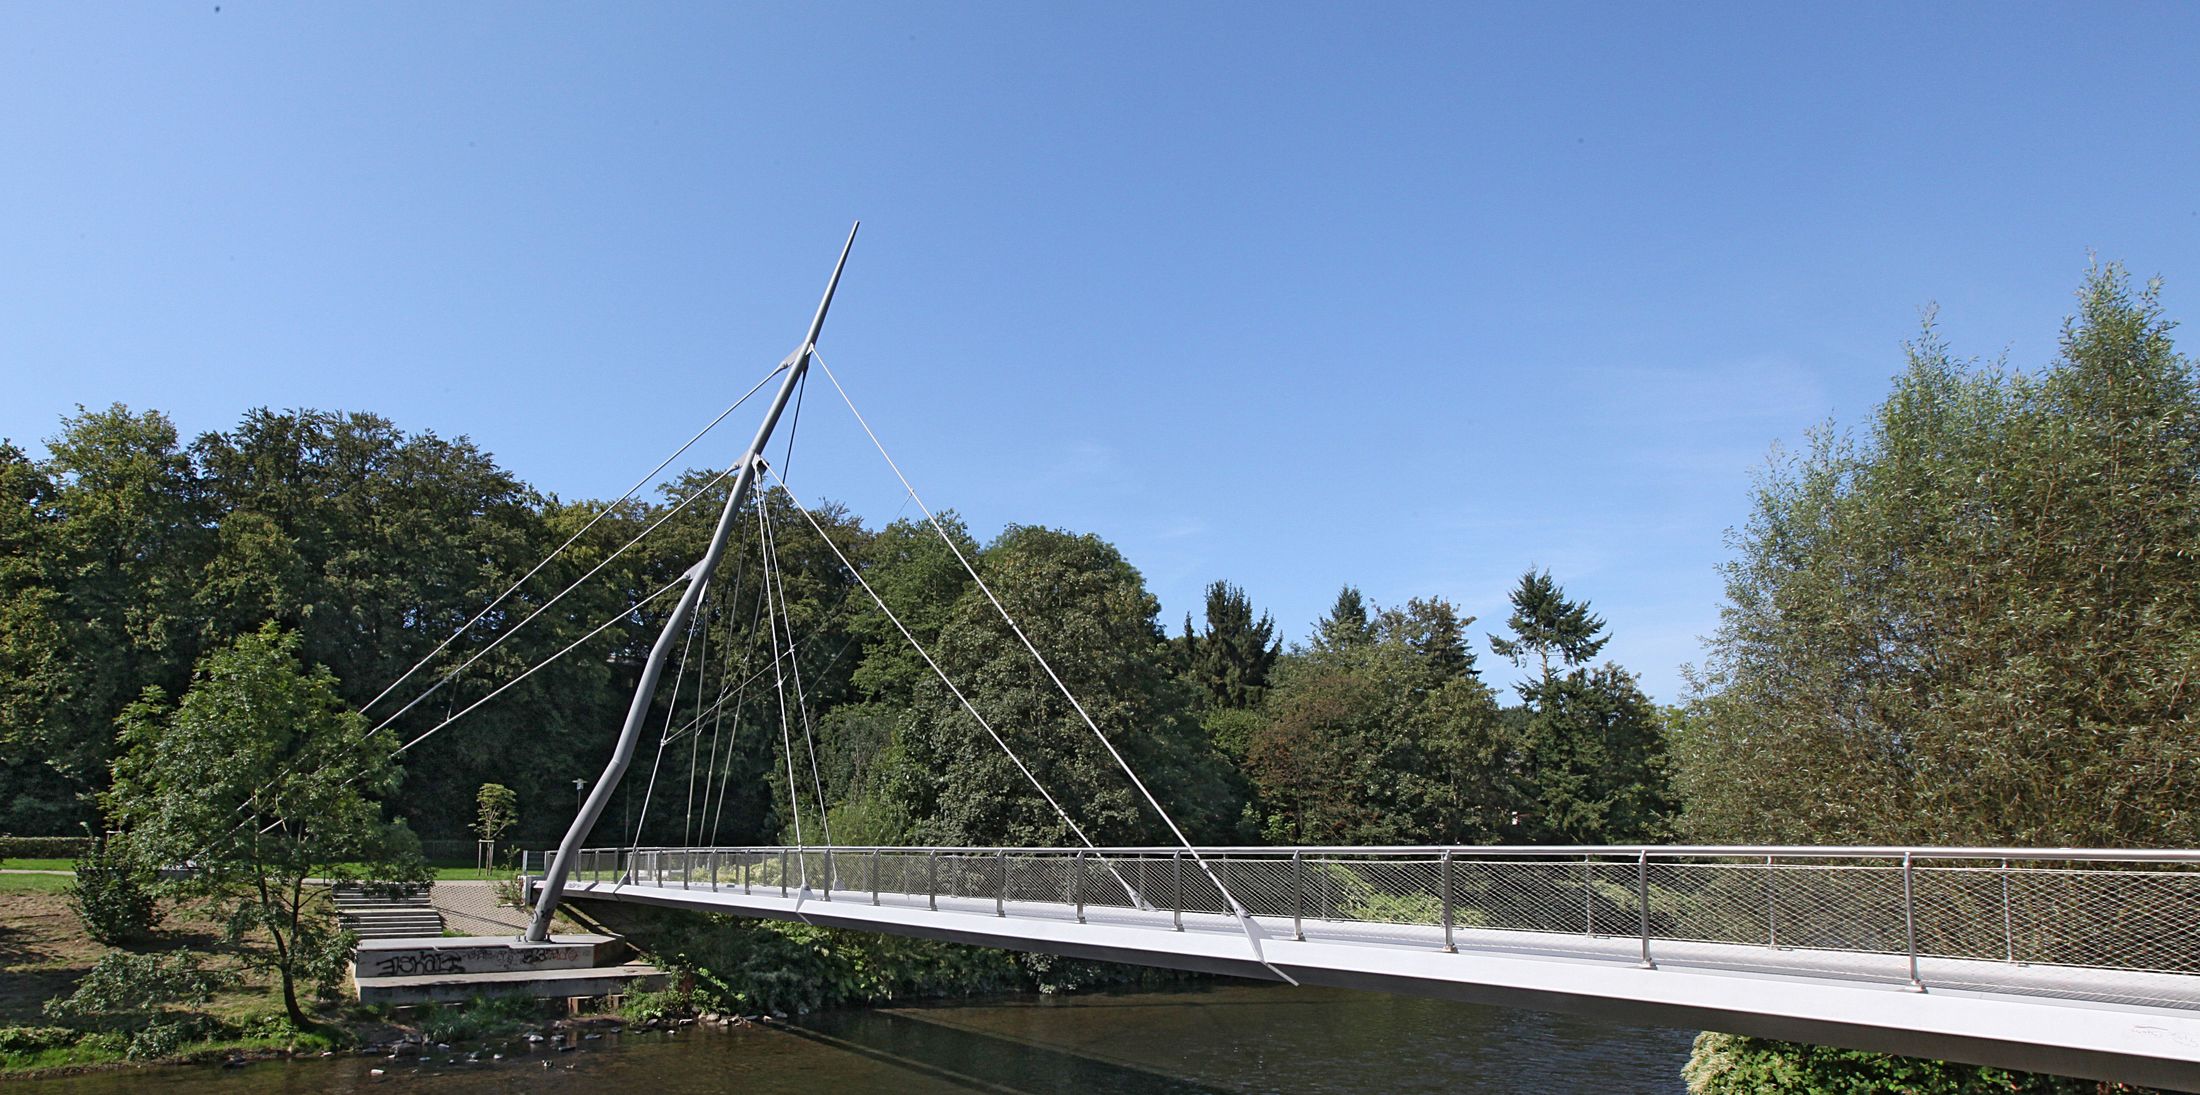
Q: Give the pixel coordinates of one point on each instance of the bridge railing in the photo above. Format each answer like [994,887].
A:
[2085,908]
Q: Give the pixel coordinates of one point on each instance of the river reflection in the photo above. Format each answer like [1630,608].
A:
[1225,1038]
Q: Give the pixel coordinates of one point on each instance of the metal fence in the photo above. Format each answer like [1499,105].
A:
[2088,909]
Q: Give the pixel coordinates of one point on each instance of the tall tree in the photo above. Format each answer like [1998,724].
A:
[1347,624]
[1432,628]
[1592,745]
[1089,612]
[1979,623]
[131,536]
[1229,663]
[40,684]
[1545,624]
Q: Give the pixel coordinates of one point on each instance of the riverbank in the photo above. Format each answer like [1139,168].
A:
[45,955]
[722,967]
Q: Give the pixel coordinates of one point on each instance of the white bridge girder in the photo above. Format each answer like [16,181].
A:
[2134,1026]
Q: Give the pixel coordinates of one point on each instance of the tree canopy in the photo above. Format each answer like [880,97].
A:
[1979,621]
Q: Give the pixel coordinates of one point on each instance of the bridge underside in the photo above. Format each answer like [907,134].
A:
[2140,1028]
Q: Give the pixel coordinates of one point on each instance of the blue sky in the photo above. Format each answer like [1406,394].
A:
[1411,296]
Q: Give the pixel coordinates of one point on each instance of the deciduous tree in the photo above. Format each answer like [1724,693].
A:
[258,781]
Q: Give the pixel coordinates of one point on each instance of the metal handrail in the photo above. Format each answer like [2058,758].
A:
[1572,851]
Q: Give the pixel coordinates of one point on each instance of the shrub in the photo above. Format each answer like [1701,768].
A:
[1728,1064]
[125,999]
[479,1018]
[113,898]
[33,1039]
[648,1007]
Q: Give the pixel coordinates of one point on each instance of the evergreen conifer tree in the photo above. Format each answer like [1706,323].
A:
[1347,624]
[1593,746]
[1229,665]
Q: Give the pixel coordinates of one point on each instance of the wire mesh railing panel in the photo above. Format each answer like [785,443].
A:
[2136,919]
[1803,910]
[1265,886]
[1561,897]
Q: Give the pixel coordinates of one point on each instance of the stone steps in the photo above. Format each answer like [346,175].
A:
[387,916]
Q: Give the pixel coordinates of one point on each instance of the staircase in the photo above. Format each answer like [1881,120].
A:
[382,916]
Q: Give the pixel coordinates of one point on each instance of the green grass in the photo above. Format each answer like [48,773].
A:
[444,871]
[38,883]
[95,1051]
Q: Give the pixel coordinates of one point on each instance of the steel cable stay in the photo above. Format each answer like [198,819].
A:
[734,693]
[701,682]
[569,542]
[1237,908]
[967,706]
[695,744]
[623,614]
[776,577]
[726,693]
[725,777]
[545,606]
[786,734]
[245,806]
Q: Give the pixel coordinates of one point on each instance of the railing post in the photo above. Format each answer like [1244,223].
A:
[714,870]
[782,872]
[932,880]
[1449,946]
[1176,889]
[2008,921]
[1298,895]
[687,866]
[744,875]
[1909,920]
[1000,896]
[874,876]
[1772,908]
[828,873]
[1077,885]
[1588,896]
[1642,904]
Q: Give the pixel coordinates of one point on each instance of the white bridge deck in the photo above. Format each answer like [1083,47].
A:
[2074,966]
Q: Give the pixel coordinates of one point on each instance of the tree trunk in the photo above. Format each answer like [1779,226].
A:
[290,1001]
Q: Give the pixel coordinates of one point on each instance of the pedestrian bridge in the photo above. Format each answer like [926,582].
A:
[2079,962]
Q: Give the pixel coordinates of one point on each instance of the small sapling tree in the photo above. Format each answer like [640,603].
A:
[496,810]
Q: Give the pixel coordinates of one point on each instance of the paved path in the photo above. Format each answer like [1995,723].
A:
[473,908]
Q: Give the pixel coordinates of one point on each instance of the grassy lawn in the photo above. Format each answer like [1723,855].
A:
[33,883]
[444,872]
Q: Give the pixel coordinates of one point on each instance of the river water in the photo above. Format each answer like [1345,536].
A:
[1223,1038]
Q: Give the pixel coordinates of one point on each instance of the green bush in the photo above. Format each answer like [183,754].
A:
[650,1006]
[126,1001]
[1728,1064]
[33,1039]
[113,898]
[481,1018]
